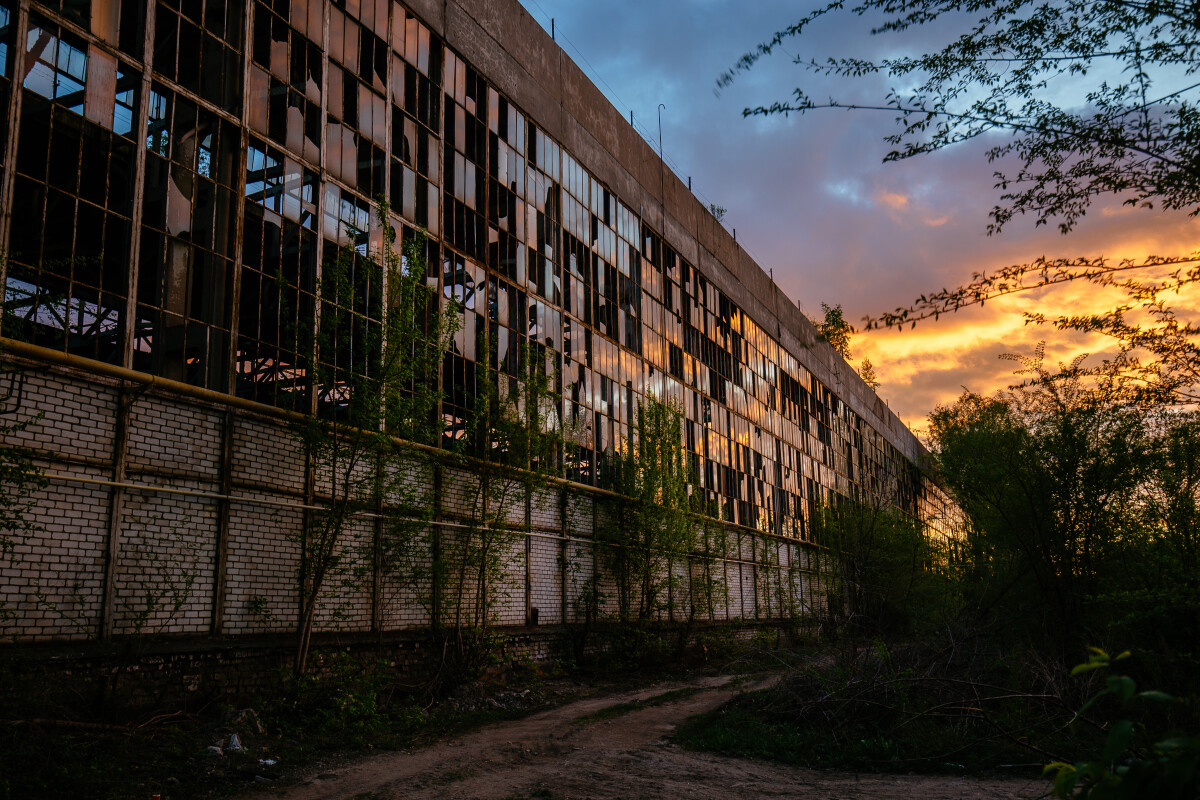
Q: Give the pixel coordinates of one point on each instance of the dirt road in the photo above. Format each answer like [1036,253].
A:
[582,751]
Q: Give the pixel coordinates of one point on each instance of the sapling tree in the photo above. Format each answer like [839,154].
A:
[20,477]
[709,587]
[875,566]
[834,329]
[509,451]
[378,348]
[650,527]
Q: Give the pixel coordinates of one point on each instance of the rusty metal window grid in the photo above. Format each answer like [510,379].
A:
[531,223]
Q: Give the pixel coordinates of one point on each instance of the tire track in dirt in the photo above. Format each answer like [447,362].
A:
[574,752]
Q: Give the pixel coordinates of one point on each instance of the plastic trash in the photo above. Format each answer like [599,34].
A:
[235,742]
[213,750]
[267,762]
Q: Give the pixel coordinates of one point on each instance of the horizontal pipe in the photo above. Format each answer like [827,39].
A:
[69,360]
[143,487]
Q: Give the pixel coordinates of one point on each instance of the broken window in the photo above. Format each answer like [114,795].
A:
[278,288]
[68,267]
[57,64]
[7,33]
[185,272]
[199,47]
[120,23]
[77,11]
[280,184]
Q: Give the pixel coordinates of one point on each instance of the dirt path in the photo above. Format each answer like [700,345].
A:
[565,753]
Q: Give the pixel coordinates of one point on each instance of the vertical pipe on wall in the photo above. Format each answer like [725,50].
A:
[528,557]
[115,509]
[435,552]
[564,506]
[221,565]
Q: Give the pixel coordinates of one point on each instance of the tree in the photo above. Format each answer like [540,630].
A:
[867,373]
[1080,507]
[1094,99]
[835,330]
[877,566]
[1155,355]
[374,360]
[20,477]
[649,527]
[510,449]
[1095,96]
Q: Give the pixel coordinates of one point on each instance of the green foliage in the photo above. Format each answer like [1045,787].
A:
[1087,92]
[509,450]
[375,361]
[1079,506]
[1167,768]
[881,572]
[835,330]
[941,707]
[343,699]
[643,647]
[649,528]
[1089,98]
[19,476]
[867,373]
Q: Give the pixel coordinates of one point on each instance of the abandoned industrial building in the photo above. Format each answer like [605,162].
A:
[174,176]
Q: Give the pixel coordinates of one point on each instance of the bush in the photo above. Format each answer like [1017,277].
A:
[1164,768]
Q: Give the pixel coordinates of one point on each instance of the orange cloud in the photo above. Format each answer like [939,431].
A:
[931,364]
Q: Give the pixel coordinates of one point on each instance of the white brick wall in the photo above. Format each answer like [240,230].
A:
[53,582]
[78,419]
[410,482]
[579,577]
[164,574]
[53,585]
[545,510]
[405,593]
[263,555]
[344,603]
[266,453]
[460,493]
[579,515]
[508,591]
[547,579]
[173,437]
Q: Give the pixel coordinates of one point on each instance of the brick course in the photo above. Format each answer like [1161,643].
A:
[164,579]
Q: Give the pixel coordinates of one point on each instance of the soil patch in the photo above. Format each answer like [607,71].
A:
[616,746]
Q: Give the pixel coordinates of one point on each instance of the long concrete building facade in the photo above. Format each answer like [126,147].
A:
[173,174]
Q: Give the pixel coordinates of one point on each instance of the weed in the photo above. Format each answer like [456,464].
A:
[893,709]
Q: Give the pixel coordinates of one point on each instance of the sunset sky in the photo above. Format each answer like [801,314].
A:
[811,199]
